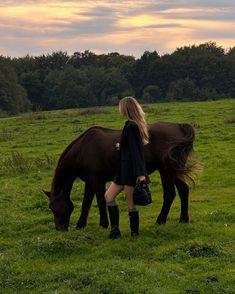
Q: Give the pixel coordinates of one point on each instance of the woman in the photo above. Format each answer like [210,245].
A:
[131,165]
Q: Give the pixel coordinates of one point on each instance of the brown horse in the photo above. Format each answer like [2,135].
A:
[92,157]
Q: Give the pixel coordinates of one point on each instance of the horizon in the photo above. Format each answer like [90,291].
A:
[226,50]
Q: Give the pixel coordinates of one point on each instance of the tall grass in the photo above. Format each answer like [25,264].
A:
[19,163]
[6,135]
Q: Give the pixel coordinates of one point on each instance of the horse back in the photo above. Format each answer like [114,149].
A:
[94,152]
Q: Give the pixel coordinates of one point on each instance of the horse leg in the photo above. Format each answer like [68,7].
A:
[86,204]
[99,187]
[168,196]
[183,191]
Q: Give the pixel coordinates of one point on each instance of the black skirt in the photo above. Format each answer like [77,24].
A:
[125,175]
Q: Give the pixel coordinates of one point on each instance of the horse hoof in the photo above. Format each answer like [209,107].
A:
[184,220]
[161,221]
[80,225]
[105,224]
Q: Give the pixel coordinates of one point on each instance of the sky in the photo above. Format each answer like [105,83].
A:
[125,26]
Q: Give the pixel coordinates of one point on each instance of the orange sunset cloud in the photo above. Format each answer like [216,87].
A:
[128,27]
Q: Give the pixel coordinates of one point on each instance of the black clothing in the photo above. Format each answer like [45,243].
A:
[114,221]
[134,222]
[131,163]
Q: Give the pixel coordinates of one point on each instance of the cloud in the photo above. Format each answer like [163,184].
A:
[156,6]
[103,12]
[126,26]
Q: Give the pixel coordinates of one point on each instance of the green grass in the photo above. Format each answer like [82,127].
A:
[174,258]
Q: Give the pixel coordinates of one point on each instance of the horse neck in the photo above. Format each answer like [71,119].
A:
[62,185]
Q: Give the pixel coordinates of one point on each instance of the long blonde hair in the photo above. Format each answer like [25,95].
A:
[130,108]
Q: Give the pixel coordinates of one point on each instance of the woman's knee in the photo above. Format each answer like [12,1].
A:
[107,196]
[112,192]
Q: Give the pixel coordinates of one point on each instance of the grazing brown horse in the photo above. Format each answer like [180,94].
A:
[92,157]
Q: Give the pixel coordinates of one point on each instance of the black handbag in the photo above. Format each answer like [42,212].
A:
[142,195]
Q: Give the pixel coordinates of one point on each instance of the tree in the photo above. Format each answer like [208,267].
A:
[68,89]
[199,63]
[13,97]
[141,72]
[152,94]
[84,79]
[184,89]
[229,80]
[34,86]
[108,85]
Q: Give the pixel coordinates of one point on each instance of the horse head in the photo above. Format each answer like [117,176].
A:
[61,209]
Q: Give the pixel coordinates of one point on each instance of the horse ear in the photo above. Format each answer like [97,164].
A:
[48,194]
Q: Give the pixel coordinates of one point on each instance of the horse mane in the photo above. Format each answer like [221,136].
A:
[66,150]
[75,141]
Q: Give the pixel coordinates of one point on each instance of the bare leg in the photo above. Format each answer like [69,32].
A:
[128,190]
[112,192]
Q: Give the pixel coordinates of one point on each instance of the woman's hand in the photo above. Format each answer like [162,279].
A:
[141,178]
[117,146]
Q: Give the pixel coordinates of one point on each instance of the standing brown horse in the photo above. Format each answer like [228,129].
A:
[92,157]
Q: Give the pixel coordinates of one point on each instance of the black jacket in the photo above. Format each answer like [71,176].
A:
[131,163]
[132,149]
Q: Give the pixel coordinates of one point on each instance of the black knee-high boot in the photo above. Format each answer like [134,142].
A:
[134,222]
[114,220]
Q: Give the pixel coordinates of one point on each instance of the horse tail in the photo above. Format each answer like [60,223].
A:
[180,157]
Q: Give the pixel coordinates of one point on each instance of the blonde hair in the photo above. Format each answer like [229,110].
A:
[131,109]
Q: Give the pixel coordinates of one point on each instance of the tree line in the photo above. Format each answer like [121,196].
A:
[58,81]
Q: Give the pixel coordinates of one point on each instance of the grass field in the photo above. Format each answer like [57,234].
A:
[174,258]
